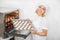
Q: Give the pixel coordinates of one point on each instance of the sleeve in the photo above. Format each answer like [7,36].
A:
[44,24]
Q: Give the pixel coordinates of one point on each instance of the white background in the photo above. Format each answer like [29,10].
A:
[53,15]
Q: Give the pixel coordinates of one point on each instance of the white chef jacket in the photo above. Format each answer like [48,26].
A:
[40,23]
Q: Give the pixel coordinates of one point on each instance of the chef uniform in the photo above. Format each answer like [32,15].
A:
[40,23]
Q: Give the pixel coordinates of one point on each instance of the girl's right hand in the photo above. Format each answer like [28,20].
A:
[29,20]
[33,31]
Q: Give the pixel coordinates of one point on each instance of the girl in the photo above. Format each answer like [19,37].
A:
[40,24]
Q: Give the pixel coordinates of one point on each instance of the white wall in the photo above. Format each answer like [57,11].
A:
[53,15]
[54,20]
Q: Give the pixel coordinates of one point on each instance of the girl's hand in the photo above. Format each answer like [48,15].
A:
[29,20]
[33,31]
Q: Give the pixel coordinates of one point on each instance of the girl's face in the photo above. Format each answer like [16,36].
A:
[41,10]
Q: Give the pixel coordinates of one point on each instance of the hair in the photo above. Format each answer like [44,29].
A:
[44,8]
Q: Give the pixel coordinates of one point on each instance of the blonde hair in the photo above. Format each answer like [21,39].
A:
[44,8]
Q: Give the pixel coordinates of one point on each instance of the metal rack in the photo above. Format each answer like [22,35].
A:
[5,32]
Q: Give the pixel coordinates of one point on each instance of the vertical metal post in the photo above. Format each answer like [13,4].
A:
[1,24]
